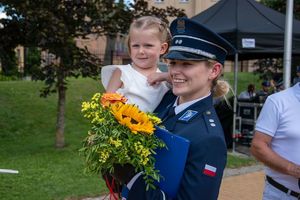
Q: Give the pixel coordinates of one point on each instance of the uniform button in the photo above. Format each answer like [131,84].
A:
[211,120]
[208,112]
[213,124]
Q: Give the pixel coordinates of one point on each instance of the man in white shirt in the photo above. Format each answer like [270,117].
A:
[276,143]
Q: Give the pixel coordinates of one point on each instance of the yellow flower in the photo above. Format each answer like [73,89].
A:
[97,119]
[154,119]
[104,155]
[145,161]
[130,116]
[96,97]
[116,142]
[143,152]
[85,106]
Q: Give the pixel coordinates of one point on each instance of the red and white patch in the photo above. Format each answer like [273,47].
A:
[210,170]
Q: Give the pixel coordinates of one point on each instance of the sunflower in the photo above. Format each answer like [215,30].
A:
[129,115]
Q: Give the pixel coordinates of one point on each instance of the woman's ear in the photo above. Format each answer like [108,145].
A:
[164,48]
[215,70]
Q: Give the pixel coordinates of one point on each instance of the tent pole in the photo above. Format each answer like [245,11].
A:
[288,43]
[236,60]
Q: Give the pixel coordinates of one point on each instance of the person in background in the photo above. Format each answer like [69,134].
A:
[195,61]
[248,94]
[276,143]
[279,86]
[297,78]
[262,94]
[148,39]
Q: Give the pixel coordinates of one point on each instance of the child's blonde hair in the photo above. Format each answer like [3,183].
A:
[151,22]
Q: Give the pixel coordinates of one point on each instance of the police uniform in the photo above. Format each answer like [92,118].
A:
[197,122]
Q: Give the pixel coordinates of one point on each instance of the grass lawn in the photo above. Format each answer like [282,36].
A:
[244,78]
[234,161]
[27,135]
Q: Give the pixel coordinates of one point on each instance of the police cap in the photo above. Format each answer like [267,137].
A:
[194,41]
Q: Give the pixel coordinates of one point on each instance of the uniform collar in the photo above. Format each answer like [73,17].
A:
[188,114]
[183,106]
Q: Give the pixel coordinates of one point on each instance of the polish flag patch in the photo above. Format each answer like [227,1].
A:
[209,170]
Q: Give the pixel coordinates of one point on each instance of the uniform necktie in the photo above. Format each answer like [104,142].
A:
[124,192]
[171,111]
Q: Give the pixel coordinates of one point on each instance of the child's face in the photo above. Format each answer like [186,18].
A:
[192,79]
[146,48]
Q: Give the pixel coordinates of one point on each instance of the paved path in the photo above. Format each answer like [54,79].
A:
[247,186]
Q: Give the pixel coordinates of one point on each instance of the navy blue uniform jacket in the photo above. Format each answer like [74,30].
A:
[207,154]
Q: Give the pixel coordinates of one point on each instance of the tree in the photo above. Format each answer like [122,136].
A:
[54,25]
[280,6]
[7,45]
[32,62]
[270,68]
[137,9]
[8,62]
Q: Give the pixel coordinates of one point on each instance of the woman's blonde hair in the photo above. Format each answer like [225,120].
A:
[151,22]
[220,88]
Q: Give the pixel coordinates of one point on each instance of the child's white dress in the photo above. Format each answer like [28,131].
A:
[135,87]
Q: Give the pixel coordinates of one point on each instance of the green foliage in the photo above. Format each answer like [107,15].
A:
[124,16]
[280,6]
[269,68]
[53,26]
[26,143]
[8,62]
[141,8]
[7,78]
[32,65]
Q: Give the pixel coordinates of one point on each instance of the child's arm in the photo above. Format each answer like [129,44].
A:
[158,77]
[115,81]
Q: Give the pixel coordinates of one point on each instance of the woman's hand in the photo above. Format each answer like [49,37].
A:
[123,173]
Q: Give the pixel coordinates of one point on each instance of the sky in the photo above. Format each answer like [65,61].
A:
[2,15]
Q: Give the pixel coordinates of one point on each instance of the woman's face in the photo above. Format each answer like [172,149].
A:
[192,79]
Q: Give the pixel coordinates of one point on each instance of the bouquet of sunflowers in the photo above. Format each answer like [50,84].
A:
[120,134]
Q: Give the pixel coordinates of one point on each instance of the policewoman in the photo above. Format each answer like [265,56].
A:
[195,60]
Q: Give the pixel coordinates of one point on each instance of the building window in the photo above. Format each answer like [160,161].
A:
[158,1]
[184,1]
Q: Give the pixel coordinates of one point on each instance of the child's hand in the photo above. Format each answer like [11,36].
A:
[157,77]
